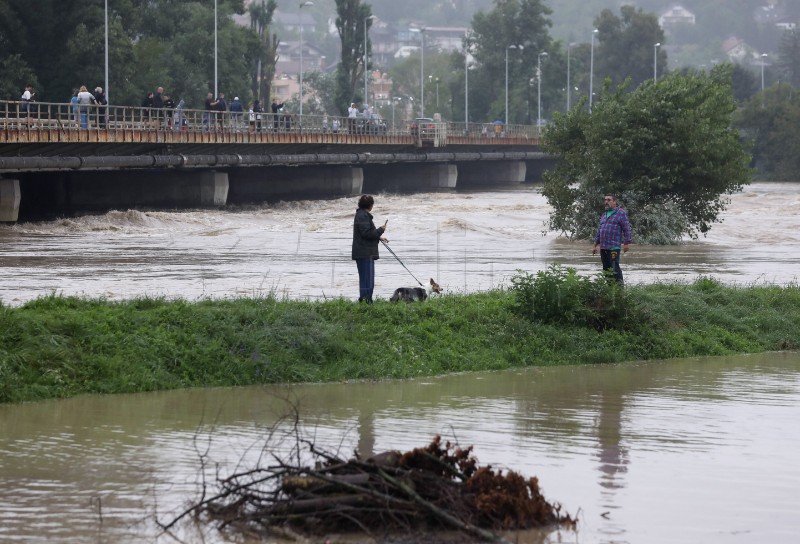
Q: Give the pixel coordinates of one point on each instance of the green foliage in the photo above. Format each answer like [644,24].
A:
[64,346]
[514,22]
[771,120]
[666,150]
[626,45]
[560,296]
[351,18]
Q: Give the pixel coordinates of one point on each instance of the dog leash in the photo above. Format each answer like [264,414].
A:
[401,262]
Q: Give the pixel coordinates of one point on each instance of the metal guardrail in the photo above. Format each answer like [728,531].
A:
[19,121]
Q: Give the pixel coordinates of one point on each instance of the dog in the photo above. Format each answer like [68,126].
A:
[413,294]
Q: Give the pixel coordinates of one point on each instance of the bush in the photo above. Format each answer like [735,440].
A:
[559,295]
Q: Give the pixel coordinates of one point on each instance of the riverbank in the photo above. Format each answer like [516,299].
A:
[56,347]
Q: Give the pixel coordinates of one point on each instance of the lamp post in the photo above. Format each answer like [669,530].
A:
[106,44]
[655,60]
[520,47]
[421,70]
[591,71]
[366,89]
[395,99]
[300,22]
[763,61]
[569,85]
[466,88]
[216,93]
[539,89]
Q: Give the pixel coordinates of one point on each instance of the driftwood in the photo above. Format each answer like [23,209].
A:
[439,487]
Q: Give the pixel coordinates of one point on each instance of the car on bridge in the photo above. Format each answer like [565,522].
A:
[422,126]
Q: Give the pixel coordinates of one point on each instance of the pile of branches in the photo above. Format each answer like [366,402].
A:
[438,487]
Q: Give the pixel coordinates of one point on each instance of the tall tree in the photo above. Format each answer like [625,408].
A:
[771,121]
[626,47]
[352,16]
[512,22]
[666,150]
[789,57]
[266,57]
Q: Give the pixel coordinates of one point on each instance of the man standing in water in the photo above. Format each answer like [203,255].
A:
[614,231]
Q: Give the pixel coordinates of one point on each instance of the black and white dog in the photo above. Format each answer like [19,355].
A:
[412,294]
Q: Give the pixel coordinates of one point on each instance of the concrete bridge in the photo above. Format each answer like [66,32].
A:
[60,159]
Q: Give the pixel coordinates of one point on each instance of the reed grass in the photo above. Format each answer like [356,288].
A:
[63,346]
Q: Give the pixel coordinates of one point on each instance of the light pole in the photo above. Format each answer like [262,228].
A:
[569,88]
[106,73]
[366,90]
[421,70]
[591,71]
[300,22]
[395,99]
[539,89]
[655,60]
[216,93]
[466,88]
[763,61]
[520,47]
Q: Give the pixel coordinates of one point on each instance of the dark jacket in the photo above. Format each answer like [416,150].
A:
[365,235]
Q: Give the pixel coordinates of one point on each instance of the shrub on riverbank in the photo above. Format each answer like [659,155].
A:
[63,346]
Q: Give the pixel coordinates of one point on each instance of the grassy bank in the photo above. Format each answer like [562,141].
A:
[59,347]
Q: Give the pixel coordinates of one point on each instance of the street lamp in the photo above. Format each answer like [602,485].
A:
[216,93]
[300,22]
[763,61]
[421,70]
[539,88]
[569,85]
[520,47]
[436,80]
[106,73]
[655,60]
[591,71]
[395,99]
[366,91]
[466,88]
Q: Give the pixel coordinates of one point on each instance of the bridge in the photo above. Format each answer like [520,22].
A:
[63,159]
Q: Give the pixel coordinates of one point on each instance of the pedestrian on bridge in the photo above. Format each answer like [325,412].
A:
[276,108]
[100,98]
[85,102]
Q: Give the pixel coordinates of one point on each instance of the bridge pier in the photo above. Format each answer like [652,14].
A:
[9,200]
[289,182]
[490,172]
[214,187]
[409,176]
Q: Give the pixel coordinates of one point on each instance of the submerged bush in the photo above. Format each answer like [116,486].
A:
[559,295]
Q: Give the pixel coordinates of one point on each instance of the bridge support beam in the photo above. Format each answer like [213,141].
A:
[277,182]
[490,173]
[409,177]
[9,200]
[214,188]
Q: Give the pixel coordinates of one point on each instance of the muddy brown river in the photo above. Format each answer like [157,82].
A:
[691,451]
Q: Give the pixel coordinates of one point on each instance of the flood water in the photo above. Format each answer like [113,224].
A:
[468,241]
[691,451]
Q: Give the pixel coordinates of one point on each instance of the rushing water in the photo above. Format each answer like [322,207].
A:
[690,451]
[467,241]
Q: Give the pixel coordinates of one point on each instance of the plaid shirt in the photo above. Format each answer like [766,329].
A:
[614,229]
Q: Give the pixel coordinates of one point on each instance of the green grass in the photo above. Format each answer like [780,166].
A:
[63,346]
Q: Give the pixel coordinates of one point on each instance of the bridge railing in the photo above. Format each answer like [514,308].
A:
[34,116]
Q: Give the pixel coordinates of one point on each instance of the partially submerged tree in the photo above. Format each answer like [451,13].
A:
[667,151]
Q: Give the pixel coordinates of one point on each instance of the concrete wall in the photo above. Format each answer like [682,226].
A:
[490,173]
[285,182]
[409,177]
[9,200]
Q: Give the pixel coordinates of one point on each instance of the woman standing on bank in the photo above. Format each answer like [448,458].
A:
[365,247]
